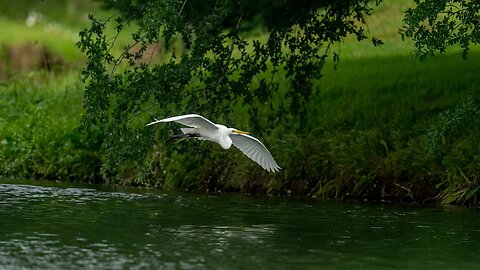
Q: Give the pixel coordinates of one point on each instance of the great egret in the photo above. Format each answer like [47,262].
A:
[203,129]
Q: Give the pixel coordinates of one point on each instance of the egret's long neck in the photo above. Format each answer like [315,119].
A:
[226,142]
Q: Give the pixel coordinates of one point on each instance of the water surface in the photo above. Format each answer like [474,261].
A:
[79,228]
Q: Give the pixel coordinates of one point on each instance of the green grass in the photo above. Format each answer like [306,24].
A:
[73,13]
[373,120]
[56,25]
[58,39]
[363,86]
[384,24]
[38,119]
[53,24]
[381,126]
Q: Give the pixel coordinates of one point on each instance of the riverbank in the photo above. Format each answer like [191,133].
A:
[379,129]
[383,129]
[381,126]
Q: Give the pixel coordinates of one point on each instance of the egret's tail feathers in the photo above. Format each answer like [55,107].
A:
[181,137]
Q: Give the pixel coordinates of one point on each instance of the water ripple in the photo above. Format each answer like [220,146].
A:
[85,228]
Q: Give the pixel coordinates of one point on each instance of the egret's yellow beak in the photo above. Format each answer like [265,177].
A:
[241,132]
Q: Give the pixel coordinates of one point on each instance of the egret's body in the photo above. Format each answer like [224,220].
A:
[201,128]
[221,135]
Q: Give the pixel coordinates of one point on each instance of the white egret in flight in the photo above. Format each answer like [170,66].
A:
[203,129]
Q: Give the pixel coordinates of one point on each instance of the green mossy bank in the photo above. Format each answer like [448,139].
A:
[382,128]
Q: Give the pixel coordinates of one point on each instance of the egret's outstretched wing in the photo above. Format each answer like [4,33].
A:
[189,120]
[255,150]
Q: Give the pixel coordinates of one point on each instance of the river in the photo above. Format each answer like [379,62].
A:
[45,227]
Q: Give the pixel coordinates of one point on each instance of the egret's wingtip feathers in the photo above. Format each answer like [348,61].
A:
[275,169]
[156,121]
[151,123]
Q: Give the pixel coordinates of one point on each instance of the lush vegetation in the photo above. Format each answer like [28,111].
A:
[438,25]
[39,115]
[378,125]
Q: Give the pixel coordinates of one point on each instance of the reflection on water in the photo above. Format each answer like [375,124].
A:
[64,228]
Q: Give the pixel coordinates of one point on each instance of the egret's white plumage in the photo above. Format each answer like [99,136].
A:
[204,129]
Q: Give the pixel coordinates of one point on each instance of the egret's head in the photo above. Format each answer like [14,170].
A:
[236,131]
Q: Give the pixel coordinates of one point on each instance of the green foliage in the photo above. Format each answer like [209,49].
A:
[412,135]
[376,128]
[436,25]
[466,115]
[209,66]
[38,140]
[453,139]
[358,137]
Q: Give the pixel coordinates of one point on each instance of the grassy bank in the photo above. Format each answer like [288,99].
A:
[394,128]
[380,126]
[39,115]
[35,32]
[374,128]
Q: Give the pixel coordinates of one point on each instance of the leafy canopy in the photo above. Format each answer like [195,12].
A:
[435,25]
[211,63]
